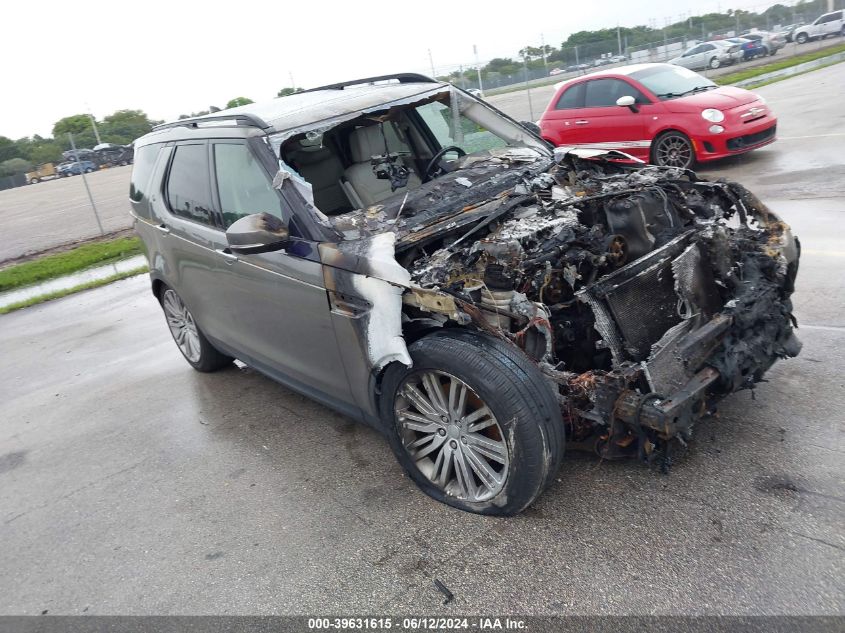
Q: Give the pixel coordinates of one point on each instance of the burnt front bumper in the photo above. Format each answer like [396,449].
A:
[704,315]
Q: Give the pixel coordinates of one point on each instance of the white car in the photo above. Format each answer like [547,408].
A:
[827,24]
[709,55]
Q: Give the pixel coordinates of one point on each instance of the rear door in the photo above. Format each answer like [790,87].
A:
[189,230]
[602,124]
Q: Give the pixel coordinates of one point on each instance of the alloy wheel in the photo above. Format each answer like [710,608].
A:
[673,151]
[451,435]
[181,325]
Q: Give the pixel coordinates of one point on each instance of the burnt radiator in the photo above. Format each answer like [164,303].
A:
[635,305]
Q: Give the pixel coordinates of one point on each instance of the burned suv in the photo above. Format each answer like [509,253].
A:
[406,254]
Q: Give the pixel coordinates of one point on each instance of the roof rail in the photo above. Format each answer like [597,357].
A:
[249,120]
[403,78]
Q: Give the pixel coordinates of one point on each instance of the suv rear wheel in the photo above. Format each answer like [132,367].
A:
[474,423]
[188,336]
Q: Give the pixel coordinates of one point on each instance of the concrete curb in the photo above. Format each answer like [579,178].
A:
[791,70]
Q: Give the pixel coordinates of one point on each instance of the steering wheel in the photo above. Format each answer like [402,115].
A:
[435,161]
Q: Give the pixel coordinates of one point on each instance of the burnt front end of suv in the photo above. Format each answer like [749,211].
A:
[644,294]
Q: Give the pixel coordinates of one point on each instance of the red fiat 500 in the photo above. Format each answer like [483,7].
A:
[661,113]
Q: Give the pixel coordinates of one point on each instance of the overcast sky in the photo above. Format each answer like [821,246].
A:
[169,58]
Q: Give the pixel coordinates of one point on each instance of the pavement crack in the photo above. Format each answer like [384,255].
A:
[74,491]
[817,540]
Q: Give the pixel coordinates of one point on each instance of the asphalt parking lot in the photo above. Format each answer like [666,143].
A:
[54,212]
[130,484]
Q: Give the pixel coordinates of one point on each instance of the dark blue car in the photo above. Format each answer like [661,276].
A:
[750,48]
[73,168]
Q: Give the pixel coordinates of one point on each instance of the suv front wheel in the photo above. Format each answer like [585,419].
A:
[189,338]
[474,423]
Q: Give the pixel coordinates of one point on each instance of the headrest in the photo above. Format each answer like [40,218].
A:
[310,155]
[366,142]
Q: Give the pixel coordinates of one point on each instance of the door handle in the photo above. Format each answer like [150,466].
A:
[581,122]
[228,255]
[163,228]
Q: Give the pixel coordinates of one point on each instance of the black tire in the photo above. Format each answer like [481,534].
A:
[522,403]
[676,138]
[802,38]
[714,63]
[208,358]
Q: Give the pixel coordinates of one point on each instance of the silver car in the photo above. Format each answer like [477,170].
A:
[402,252]
[772,42]
[709,55]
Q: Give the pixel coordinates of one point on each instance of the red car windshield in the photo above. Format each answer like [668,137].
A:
[671,82]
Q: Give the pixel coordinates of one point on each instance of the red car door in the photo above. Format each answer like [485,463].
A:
[558,123]
[604,125]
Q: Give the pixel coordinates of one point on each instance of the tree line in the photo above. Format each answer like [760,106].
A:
[591,44]
[121,128]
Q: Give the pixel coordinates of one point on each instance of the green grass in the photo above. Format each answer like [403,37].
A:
[67,291]
[766,82]
[74,260]
[788,62]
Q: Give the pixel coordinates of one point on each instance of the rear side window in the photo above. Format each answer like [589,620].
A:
[145,160]
[242,184]
[603,93]
[572,97]
[188,188]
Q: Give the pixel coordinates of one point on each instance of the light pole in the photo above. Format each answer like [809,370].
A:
[478,69]
[543,49]
[528,86]
[85,181]
[94,124]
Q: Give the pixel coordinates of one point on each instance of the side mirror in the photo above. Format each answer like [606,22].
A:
[531,127]
[257,233]
[629,102]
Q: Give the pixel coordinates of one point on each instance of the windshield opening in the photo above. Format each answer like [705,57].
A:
[366,160]
[671,82]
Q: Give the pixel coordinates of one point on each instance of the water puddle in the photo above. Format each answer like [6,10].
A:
[69,281]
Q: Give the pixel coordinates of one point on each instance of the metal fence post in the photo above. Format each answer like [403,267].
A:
[85,181]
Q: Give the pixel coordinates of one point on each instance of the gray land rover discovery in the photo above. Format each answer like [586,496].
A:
[401,251]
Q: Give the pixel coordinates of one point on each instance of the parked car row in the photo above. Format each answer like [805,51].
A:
[724,52]
[582,68]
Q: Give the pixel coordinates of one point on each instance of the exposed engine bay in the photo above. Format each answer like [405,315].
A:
[643,293]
